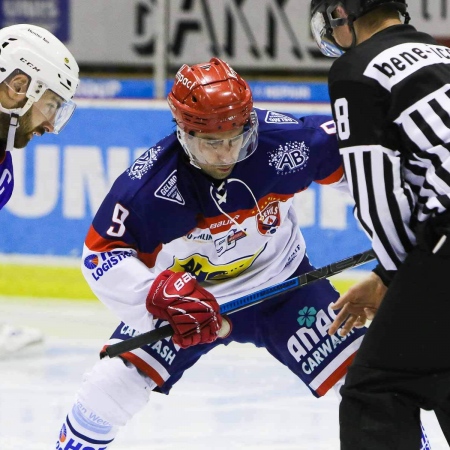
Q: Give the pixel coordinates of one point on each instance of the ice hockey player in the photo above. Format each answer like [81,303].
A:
[38,78]
[203,217]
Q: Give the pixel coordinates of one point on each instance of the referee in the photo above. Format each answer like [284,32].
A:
[390,95]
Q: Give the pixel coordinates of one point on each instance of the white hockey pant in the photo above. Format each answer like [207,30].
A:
[111,394]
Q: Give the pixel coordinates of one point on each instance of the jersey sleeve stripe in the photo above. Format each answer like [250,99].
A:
[97,243]
[333,178]
[149,259]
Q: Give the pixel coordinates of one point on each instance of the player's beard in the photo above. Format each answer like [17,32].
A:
[24,131]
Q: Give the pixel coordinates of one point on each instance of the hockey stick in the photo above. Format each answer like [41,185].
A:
[289,285]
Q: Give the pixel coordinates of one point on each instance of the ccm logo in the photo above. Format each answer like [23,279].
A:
[29,64]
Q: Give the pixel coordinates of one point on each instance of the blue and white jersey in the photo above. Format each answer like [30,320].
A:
[6,179]
[236,236]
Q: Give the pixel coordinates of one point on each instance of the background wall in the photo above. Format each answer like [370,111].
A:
[250,34]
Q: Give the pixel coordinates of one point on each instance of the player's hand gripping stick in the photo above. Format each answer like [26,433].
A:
[239,303]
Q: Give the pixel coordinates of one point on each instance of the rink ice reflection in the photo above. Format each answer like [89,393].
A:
[237,397]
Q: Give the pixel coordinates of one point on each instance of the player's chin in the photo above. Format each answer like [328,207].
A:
[22,140]
[220,172]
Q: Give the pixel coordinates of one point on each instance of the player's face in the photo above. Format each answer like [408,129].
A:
[220,150]
[39,119]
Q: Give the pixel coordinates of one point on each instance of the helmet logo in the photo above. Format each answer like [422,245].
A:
[66,60]
[29,64]
[38,35]
[180,78]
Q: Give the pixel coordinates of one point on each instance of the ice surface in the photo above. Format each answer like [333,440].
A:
[237,397]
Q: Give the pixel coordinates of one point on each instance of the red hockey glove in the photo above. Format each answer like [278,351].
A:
[190,309]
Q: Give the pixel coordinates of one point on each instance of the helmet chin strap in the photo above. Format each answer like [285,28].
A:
[14,122]
[13,125]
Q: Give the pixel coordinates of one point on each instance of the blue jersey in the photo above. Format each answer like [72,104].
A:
[236,236]
[6,179]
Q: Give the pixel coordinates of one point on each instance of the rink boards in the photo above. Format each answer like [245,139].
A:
[61,180]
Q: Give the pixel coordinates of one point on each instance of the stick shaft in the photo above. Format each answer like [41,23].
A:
[249,300]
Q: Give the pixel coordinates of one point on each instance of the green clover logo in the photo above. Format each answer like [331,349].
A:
[307,316]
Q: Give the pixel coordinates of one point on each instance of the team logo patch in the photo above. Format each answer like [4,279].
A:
[269,219]
[169,189]
[144,163]
[274,117]
[290,157]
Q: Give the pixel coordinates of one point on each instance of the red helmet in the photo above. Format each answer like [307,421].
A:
[210,97]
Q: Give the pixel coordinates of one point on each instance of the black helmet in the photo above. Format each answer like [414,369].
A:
[322,21]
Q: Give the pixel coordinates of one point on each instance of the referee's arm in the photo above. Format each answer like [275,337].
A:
[373,169]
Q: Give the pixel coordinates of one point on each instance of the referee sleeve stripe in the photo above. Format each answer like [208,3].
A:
[350,164]
[384,208]
[377,206]
[425,128]
[399,206]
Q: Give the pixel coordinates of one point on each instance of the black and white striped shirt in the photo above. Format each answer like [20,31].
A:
[391,102]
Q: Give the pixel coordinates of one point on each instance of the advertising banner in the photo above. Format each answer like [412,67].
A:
[263,91]
[249,34]
[50,14]
[60,181]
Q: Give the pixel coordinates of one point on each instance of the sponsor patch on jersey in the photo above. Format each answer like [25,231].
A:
[397,63]
[144,163]
[293,255]
[275,117]
[202,236]
[289,158]
[227,242]
[269,219]
[63,433]
[169,190]
[204,270]
[101,263]
[311,346]
[91,261]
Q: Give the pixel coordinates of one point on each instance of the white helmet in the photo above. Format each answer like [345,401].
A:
[49,65]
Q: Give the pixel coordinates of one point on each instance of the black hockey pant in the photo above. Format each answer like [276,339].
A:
[403,363]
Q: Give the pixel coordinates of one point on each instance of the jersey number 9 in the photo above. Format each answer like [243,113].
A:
[119,215]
